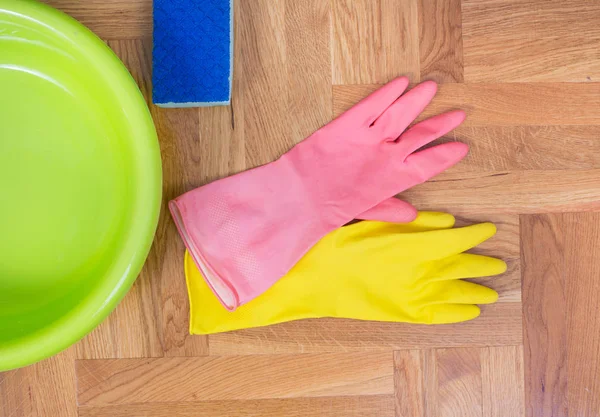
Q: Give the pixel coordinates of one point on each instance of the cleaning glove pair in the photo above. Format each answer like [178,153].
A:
[277,231]
[247,231]
[370,270]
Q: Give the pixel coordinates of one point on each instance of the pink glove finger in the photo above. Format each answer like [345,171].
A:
[423,165]
[405,110]
[378,102]
[392,210]
[429,130]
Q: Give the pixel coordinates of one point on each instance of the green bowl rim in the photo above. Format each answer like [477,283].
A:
[97,305]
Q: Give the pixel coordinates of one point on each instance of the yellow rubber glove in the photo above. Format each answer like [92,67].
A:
[369,271]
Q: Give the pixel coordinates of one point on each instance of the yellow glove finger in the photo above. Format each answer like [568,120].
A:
[402,241]
[437,244]
[425,221]
[464,265]
[449,313]
[460,292]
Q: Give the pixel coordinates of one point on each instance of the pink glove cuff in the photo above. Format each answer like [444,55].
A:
[223,290]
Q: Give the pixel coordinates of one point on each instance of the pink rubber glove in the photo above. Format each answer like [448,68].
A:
[248,230]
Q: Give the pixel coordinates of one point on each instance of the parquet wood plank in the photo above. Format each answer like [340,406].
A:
[111,19]
[493,104]
[374,41]
[308,67]
[431,383]
[582,276]
[263,64]
[128,381]
[502,381]
[512,192]
[356,406]
[282,74]
[44,389]
[531,40]
[440,40]
[182,167]
[413,388]
[525,148]
[486,381]
[499,324]
[560,287]
[459,392]
[544,315]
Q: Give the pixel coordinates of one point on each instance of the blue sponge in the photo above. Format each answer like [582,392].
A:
[193,53]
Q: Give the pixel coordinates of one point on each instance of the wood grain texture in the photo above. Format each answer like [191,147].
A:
[440,40]
[485,381]
[582,272]
[179,135]
[544,315]
[308,67]
[560,287]
[531,40]
[459,382]
[499,324]
[528,148]
[44,389]
[511,192]
[271,57]
[355,406]
[263,56]
[111,19]
[374,41]
[127,381]
[415,382]
[493,104]
[502,381]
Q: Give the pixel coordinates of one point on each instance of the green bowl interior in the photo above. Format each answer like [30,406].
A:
[80,181]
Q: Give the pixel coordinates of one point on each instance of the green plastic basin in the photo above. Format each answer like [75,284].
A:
[80,181]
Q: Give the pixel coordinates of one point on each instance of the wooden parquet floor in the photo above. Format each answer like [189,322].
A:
[528,74]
